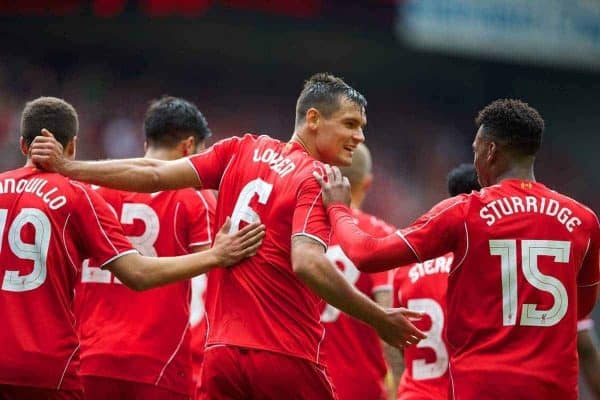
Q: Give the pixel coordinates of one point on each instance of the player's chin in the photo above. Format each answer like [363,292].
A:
[343,160]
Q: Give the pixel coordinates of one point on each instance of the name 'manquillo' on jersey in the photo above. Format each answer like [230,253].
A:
[37,186]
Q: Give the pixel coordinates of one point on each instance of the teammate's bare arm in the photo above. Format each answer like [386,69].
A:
[134,174]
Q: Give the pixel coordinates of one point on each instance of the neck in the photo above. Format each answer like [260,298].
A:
[523,171]
[300,138]
[161,153]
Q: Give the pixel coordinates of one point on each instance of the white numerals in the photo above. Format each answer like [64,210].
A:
[242,210]
[421,368]
[144,243]
[530,252]
[36,252]
[336,255]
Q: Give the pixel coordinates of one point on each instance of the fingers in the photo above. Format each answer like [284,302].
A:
[412,315]
[47,133]
[226,226]
[337,175]
[346,181]
[250,251]
[249,228]
[319,179]
[252,237]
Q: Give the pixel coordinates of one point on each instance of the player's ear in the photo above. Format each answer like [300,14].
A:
[312,118]
[145,146]
[24,147]
[492,151]
[367,181]
[71,148]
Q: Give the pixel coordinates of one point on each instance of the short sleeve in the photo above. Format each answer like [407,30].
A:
[437,232]
[200,214]
[102,236]
[590,269]
[210,165]
[310,217]
[382,281]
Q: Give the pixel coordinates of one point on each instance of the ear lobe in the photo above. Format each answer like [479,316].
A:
[23,146]
[492,151]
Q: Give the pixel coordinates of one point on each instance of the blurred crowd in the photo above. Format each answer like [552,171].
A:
[414,144]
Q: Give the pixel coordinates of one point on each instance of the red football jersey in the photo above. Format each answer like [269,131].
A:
[261,303]
[197,311]
[520,251]
[352,349]
[422,287]
[120,338]
[48,226]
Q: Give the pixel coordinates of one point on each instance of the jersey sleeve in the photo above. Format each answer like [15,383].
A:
[210,165]
[310,218]
[200,214]
[436,232]
[102,237]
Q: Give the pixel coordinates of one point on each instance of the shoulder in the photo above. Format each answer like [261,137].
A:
[580,208]
[454,204]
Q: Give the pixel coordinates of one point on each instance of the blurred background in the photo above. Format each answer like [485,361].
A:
[426,67]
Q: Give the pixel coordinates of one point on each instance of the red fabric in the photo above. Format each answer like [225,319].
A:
[231,372]
[536,231]
[99,388]
[260,303]
[422,287]
[119,338]
[348,342]
[8,392]
[39,342]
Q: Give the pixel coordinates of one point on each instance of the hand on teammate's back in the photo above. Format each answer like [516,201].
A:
[46,152]
[335,186]
[397,330]
[233,247]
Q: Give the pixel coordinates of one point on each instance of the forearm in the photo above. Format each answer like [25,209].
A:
[142,273]
[328,282]
[368,253]
[134,174]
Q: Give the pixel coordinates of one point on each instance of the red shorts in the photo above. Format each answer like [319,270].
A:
[101,388]
[230,372]
[10,392]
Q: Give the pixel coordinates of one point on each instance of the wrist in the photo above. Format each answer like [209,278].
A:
[338,207]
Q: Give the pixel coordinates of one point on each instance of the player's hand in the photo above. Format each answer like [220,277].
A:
[397,330]
[336,188]
[47,153]
[231,248]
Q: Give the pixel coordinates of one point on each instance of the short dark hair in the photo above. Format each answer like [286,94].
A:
[462,179]
[51,113]
[324,92]
[169,120]
[513,123]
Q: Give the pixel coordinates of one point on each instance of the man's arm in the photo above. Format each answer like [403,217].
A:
[134,174]
[141,273]
[311,265]
[589,359]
